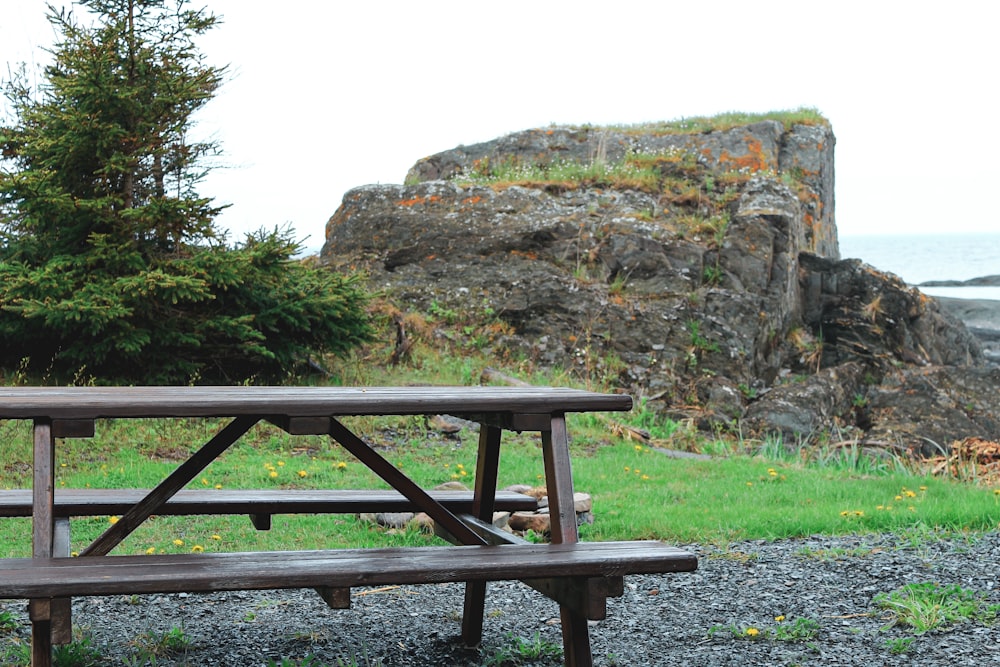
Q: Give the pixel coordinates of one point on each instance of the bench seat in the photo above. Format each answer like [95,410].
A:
[100,502]
[343,568]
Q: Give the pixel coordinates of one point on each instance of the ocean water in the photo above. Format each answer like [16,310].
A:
[919,258]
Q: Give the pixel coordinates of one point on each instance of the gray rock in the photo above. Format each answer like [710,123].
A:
[720,298]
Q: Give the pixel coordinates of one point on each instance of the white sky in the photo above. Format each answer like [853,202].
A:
[326,96]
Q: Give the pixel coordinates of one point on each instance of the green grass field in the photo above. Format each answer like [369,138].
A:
[638,491]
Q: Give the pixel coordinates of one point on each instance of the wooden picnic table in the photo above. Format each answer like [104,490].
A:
[578,576]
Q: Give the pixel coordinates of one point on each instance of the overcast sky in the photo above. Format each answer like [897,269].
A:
[326,96]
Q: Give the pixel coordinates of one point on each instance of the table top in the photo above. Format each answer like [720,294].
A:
[201,401]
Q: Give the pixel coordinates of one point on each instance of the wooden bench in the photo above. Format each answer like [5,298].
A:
[39,579]
[260,505]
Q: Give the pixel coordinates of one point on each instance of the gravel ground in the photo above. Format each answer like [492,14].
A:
[680,619]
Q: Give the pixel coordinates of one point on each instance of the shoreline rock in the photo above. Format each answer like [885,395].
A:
[982,318]
[981,281]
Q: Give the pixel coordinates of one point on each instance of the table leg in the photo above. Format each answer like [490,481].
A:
[42,531]
[484,498]
[559,483]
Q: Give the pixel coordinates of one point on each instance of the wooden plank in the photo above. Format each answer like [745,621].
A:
[301,425]
[43,489]
[521,421]
[487,468]
[342,568]
[563,530]
[559,481]
[264,502]
[335,598]
[138,402]
[174,482]
[73,428]
[61,609]
[42,535]
[39,612]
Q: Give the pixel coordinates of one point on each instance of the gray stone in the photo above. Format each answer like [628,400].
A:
[756,325]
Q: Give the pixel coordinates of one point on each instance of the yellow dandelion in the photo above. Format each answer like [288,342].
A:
[197,549]
[644,477]
[638,448]
[281,463]
[178,543]
[218,486]
[772,472]
[273,473]
[216,537]
[637,471]
[112,520]
[779,618]
[752,632]
[880,507]
[844,513]
[459,466]
[462,473]
[923,488]
[268,466]
[341,465]
[749,483]
[627,469]
[858,513]
[911,494]
[204,482]
[150,551]
[454,476]
[303,473]
[898,498]
[74,554]
[996,492]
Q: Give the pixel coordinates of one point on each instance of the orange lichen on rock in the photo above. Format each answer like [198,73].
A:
[754,160]
[417,201]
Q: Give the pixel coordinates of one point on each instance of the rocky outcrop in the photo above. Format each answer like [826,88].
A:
[716,294]
[805,151]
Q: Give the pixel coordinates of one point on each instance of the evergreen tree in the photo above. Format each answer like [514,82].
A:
[110,261]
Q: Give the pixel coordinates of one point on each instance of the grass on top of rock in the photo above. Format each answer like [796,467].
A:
[728,121]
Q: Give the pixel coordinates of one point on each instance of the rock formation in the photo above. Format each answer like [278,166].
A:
[698,271]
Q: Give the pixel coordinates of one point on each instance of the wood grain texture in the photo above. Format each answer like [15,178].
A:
[109,402]
[342,568]
[100,502]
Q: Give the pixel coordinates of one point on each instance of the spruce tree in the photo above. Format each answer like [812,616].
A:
[111,265]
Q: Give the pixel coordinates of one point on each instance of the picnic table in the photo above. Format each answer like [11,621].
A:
[579,576]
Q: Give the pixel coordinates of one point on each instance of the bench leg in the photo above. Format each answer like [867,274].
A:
[41,633]
[61,609]
[483,501]
[559,484]
[42,535]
